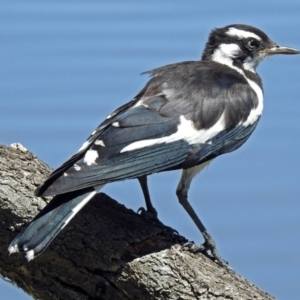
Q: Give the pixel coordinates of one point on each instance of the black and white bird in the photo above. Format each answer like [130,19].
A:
[187,114]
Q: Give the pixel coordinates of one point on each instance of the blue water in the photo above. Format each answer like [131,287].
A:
[65,66]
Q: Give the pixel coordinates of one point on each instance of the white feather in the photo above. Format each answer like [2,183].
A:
[76,167]
[13,249]
[90,157]
[255,113]
[242,34]
[185,131]
[225,53]
[251,63]
[100,143]
[30,255]
[77,208]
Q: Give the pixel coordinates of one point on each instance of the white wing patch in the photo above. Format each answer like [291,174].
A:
[242,34]
[76,167]
[90,157]
[185,131]
[99,143]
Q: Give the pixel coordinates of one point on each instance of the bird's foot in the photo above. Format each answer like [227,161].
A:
[209,249]
[152,215]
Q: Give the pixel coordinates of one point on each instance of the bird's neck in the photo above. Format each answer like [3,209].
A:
[226,55]
[229,55]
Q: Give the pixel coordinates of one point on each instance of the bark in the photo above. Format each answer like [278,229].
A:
[106,252]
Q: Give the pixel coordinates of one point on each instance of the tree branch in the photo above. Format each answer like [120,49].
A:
[106,252]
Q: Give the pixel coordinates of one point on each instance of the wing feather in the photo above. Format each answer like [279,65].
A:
[123,166]
[202,93]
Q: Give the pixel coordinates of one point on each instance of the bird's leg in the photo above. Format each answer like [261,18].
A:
[182,191]
[151,212]
[209,244]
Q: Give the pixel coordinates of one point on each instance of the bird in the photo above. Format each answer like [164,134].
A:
[187,114]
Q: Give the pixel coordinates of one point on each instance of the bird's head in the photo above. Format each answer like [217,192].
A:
[242,46]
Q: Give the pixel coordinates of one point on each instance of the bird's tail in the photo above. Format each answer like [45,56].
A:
[49,222]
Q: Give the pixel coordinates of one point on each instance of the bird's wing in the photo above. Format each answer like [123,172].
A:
[81,152]
[169,125]
[108,157]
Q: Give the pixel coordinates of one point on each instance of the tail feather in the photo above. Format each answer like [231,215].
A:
[50,221]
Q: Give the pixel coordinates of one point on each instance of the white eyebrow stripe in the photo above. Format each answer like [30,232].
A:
[242,34]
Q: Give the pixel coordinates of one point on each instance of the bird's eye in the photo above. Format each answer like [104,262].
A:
[252,44]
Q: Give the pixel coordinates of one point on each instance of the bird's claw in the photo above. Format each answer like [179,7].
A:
[208,248]
[147,214]
[193,248]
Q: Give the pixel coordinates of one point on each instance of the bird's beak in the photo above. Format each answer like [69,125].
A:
[275,49]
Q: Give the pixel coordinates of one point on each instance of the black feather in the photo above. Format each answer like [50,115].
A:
[126,165]
[49,222]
